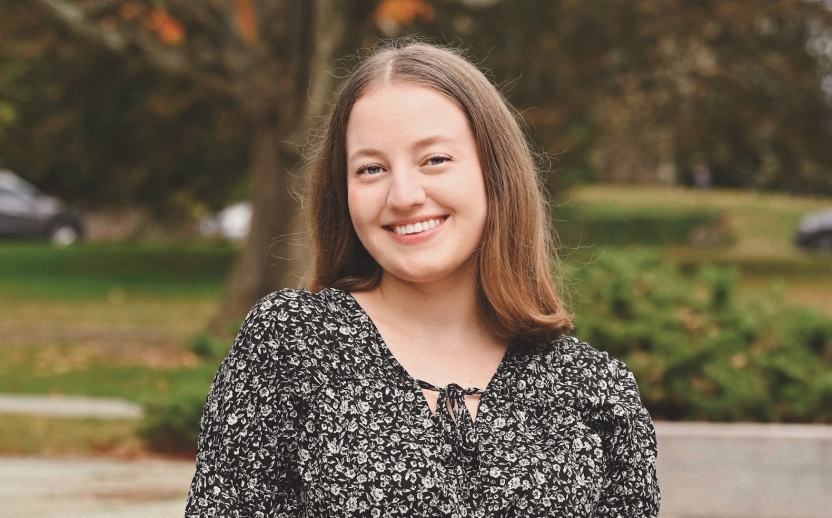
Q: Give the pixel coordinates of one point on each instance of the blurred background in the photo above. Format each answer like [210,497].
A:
[151,156]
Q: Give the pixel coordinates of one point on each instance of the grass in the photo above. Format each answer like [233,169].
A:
[112,271]
[102,320]
[106,319]
[30,374]
[763,223]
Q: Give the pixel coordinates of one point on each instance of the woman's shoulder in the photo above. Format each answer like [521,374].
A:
[291,308]
[585,373]
[576,354]
[290,315]
[568,355]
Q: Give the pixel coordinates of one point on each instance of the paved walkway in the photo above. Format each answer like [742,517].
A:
[88,488]
[69,406]
[93,488]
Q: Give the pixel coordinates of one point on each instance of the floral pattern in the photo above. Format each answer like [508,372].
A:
[310,415]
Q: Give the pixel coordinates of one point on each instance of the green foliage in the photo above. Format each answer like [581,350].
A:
[208,346]
[172,425]
[587,225]
[616,90]
[700,352]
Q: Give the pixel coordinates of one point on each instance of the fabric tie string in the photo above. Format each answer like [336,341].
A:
[456,421]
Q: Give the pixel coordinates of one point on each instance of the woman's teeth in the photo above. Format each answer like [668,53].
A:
[415,228]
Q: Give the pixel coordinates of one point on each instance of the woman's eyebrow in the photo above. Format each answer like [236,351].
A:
[433,139]
[368,152]
[422,142]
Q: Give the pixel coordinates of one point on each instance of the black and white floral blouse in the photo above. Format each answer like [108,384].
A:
[310,415]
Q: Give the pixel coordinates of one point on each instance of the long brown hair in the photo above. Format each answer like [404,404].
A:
[519,296]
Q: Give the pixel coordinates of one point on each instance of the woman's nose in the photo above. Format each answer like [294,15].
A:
[405,190]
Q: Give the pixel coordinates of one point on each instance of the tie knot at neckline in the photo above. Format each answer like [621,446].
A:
[450,405]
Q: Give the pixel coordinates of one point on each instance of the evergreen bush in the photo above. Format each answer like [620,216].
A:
[700,352]
[171,425]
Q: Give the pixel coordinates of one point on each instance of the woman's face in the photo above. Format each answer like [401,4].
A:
[415,186]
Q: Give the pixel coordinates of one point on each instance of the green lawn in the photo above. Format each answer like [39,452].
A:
[112,270]
[106,319]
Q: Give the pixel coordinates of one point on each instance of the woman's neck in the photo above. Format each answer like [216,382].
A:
[443,307]
[435,330]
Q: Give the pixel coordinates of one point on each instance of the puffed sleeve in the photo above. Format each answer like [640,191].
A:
[630,487]
[243,459]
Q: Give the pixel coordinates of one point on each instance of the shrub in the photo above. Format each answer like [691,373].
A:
[588,225]
[700,352]
[207,346]
[171,425]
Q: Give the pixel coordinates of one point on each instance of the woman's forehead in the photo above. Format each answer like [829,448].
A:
[395,113]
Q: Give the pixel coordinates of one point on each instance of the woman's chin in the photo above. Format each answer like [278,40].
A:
[428,274]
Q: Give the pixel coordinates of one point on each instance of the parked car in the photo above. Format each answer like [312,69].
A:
[815,231]
[26,213]
[232,222]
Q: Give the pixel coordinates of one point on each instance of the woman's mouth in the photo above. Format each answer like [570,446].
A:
[416,228]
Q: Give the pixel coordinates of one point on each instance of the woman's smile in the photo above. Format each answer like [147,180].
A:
[418,227]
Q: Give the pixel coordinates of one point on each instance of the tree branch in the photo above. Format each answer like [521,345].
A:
[168,59]
[73,16]
[329,27]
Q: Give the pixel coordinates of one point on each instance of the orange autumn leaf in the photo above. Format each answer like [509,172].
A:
[402,12]
[245,20]
[168,29]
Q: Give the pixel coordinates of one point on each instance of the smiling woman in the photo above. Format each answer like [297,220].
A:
[412,160]
[426,371]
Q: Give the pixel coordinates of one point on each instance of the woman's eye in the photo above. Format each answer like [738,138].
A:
[437,160]
[370,169]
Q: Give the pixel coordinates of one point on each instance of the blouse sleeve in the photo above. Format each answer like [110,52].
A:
[630,487]
[242,468]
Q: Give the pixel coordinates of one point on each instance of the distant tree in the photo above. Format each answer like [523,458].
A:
[644,90]
[273,59]
[104,130]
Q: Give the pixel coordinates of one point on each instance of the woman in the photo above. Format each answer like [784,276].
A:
[426,372]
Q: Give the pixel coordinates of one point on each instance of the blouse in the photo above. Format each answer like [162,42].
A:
[310,415]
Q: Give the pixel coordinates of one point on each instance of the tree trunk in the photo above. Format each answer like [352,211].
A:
[277,253]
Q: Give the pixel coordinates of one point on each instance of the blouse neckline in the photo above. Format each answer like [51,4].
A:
[497,382]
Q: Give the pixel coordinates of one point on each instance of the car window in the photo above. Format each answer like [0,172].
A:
[19,194]
[18,186]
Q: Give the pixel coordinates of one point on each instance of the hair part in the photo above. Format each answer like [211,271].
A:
[518,291]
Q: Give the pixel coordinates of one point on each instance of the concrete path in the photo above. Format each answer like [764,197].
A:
[93,488]
[69,406]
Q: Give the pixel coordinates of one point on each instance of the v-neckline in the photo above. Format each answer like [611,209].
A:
[393,364]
